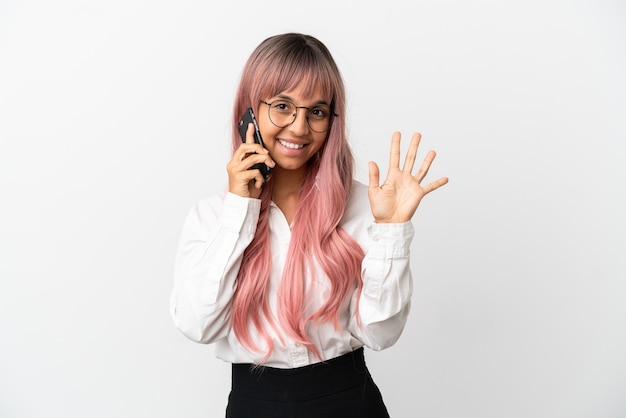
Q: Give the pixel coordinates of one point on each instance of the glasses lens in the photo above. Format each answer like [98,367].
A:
[282,113]
[319,118]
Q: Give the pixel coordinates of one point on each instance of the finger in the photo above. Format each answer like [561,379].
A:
[237,166]
[259,181]
[268,161]
[250,134]
[394,154]
[421,173]
[374,175]
[435,185]
[246,176]
[243,149]
[252,159]
[246,150]
[260,157]
[409,161]
[241,182]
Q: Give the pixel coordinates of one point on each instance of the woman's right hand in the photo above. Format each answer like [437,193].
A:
[241,180]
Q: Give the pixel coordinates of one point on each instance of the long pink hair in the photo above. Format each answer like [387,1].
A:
[279,64]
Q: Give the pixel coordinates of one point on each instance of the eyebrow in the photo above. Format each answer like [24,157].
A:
[286,97]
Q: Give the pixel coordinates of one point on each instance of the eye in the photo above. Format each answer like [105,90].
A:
[283,107]
[319,112]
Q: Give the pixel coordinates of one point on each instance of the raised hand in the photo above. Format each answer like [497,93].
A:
[241,180]
[396,200]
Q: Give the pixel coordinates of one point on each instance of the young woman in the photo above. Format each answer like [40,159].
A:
[291,276]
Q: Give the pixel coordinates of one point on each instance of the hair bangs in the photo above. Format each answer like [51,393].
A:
[299,68]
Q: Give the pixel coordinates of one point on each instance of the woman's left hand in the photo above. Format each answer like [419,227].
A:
[396,200]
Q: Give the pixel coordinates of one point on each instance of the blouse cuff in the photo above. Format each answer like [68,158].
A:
[389,240]
[240,214]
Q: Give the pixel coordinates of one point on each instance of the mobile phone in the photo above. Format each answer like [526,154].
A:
[247,118]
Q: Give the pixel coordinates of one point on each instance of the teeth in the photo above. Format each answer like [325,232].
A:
[290,145]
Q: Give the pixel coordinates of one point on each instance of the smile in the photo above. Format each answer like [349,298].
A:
[290,145]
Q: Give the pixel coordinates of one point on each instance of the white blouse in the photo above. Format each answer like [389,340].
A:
[214,237]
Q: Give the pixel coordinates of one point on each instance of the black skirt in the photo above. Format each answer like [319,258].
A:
[340,387]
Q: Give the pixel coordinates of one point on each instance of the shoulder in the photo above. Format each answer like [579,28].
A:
[209,204]
[205,211]
[224,209]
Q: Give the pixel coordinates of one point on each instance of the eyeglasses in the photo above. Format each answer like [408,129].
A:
[283,113]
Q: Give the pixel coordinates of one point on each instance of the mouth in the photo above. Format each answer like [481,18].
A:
[290,145]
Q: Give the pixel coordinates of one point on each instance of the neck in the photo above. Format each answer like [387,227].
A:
[286,190]
[287,182]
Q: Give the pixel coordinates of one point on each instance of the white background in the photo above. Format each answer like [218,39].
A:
[114,121]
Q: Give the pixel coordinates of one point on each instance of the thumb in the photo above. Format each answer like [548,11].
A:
[374,175]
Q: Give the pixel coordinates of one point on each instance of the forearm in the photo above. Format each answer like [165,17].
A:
[207,265]
[385,299]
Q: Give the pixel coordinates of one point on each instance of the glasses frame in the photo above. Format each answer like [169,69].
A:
[295,115]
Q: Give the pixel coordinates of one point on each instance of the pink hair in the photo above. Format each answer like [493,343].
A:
[279,64]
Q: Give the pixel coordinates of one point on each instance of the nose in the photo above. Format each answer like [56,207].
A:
[300,125]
